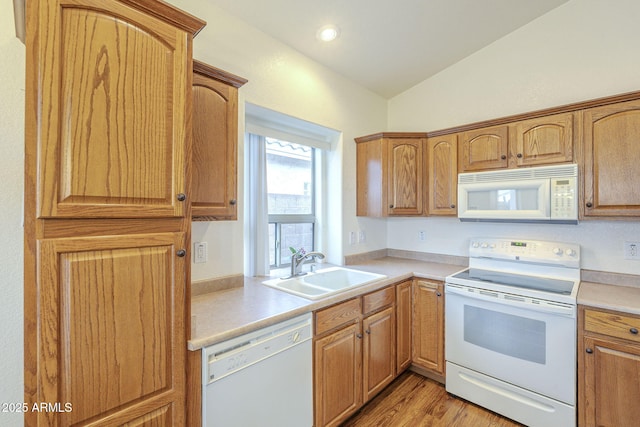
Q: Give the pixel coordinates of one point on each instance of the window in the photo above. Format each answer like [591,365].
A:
[291,199]
[286,187]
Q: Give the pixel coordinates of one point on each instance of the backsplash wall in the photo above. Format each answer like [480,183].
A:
[601,242]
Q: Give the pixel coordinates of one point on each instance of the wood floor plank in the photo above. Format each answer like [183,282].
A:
[413,400]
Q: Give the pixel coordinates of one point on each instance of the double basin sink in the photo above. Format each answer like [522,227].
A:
[325,282]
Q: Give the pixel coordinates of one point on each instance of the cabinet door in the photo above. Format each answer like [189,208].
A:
[611,384]
[403,326]
[111,337]
[405,184]
[338,375]
[611,160]
[428,325]
[379,354]
[485,148]
[546,140]
[215,141]
[113,92]
[442,155]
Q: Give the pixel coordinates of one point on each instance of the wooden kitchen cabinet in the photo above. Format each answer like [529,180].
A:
[390,177]
[428,325]
[486,148]
[215,143]
[442,171]
[354,354]
[110,123]
[611,160]
[534,142]
[608,368]
[107,216]
[379,341]
[543,141]
[404,341]
[338,375]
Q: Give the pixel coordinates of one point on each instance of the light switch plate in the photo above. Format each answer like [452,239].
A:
[632,250]
[200,252]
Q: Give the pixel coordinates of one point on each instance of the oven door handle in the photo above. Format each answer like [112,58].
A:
[539,306]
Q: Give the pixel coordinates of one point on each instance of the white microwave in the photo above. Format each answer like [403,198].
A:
[547,194]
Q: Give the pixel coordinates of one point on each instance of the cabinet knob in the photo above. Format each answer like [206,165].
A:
[359,335]
[503,157]
[589,204]
[368,332]
[181,197]
[519,155]
[452,206]
[589,350]
[390,206]
[181,253]
[438,294]
[232,202]
[634,331]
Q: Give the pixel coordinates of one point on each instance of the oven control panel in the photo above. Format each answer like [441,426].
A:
[538,251]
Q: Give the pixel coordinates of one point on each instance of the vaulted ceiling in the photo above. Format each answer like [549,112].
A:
[384,45]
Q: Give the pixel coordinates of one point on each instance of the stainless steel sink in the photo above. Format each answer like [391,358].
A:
[325,282]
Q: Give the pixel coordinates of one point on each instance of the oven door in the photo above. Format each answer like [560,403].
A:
[525,344]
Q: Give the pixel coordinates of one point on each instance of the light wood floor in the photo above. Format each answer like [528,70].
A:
[412,400]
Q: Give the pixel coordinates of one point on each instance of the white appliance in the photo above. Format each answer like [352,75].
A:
[510,330]
[539,194]
[263,378]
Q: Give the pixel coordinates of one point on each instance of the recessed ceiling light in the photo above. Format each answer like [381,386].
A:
[327,33]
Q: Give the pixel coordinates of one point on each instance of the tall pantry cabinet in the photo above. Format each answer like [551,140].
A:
[107,211]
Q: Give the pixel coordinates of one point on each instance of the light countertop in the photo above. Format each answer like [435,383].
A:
[218,316]
[221,315]
[620,298]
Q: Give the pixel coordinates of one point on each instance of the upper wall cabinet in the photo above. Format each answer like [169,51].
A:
[442,170]
[110,130]
[215,143]
[611,138]
[485,148]
[543,140]
[390,177]
[538,141]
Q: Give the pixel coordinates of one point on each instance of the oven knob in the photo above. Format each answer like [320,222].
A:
[570,252]
[557,251]
[475,244]
[484,245]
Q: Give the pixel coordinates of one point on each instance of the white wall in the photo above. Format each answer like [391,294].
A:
[582,50]
[283,80]
[12,86]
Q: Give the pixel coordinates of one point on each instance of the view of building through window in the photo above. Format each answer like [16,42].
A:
[290,188]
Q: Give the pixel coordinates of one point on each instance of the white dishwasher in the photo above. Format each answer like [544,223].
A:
[263,378]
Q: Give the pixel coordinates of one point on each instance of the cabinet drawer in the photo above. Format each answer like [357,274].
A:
[378,299]
[337,315]
[613,324]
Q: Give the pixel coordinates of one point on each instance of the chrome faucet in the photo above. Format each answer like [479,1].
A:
[298,258]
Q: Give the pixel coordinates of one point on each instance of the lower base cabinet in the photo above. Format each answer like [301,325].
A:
[428,325]
[608,369]
[354,354]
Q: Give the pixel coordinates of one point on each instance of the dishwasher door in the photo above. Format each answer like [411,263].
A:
[263,378]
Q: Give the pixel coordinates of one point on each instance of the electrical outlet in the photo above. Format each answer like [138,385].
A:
[200,252]
[352,237]
[632,250]
[362,237]
[422,235]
